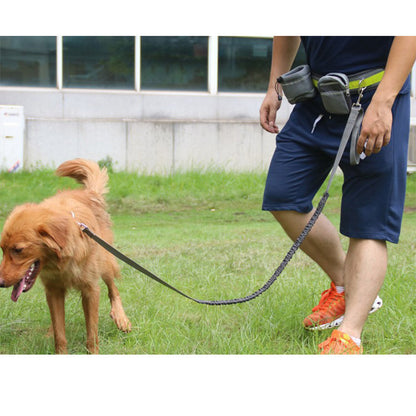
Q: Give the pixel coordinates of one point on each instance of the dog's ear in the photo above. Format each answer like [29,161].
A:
[54,234]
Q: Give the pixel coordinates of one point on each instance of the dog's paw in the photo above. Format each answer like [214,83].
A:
[120,319]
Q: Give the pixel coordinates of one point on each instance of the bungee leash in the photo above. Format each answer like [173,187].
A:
[275,275]
[351,131]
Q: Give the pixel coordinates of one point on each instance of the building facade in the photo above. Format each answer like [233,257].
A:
[151,104]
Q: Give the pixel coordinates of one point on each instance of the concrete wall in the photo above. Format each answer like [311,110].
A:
[144,132]
[150,146]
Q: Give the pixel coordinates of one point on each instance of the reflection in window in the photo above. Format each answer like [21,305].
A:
[105,62]
[28,61]
[243,64]
[174,63]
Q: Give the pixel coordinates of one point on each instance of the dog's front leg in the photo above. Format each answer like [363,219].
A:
[56,302]
[90,303]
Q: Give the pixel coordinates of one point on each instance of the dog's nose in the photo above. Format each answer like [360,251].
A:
[2,284]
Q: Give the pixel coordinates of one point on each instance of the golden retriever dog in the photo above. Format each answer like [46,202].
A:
[46,240]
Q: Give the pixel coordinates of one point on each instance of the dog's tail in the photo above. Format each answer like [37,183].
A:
[87,173]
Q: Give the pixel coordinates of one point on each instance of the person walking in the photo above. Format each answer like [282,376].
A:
[373,191]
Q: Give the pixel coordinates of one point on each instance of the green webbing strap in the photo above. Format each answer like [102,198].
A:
[361,80]
[366,82]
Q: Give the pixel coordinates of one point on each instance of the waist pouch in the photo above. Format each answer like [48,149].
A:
[297,84]
[335,93]
[334,88]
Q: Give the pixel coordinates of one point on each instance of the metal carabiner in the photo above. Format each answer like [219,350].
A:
[360,92]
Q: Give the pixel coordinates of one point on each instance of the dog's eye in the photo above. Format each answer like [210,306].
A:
[17,250]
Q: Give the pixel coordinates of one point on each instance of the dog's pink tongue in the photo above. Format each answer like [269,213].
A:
[17,290]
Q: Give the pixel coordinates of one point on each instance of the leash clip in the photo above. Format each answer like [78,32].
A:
[81,225]
[360,93]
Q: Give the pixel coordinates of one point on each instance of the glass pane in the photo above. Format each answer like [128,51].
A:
[174,63]
[244,64]
[105,62]
[28,61]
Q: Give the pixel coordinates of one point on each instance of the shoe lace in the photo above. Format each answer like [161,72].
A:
[327,297]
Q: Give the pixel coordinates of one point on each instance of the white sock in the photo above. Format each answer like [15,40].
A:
[340,289]
[356,340]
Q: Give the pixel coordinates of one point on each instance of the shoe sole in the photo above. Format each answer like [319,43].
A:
[378,303]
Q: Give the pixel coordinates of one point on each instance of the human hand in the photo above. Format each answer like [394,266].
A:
[268,111]
[376,128]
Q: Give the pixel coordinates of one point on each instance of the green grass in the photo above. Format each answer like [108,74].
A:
[206,234]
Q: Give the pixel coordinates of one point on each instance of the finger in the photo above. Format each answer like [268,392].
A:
[264,117]
[373,145]
[273,127]
[267,121]
[378,144]
[386,139]
[268,126]
[360,142]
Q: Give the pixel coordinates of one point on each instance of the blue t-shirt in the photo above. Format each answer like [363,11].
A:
[348,54]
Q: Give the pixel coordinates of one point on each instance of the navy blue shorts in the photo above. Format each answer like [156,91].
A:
[373,192]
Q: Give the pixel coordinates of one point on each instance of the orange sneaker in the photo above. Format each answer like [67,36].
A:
[340,343]
[329,312]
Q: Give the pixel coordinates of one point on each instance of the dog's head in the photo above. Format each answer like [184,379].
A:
[31,238]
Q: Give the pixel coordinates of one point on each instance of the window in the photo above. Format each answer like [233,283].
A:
[174,63]
[244,64]
[169,63]
[28,61]
[105,62]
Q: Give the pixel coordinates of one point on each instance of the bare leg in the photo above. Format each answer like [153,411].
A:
[322,243]
[365,270]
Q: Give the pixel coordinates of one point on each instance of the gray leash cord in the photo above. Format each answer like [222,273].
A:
[356,111]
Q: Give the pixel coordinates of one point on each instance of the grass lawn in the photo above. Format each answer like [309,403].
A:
[205,233]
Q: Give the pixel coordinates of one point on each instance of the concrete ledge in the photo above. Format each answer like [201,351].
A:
[150,146]
[50,142]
